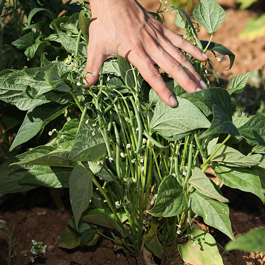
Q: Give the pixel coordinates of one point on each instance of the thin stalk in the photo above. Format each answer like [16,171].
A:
[205,164]
[190,164]
[76,101]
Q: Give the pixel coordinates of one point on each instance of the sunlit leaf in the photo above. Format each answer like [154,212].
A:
[201,249]
[209,14]
[216,215]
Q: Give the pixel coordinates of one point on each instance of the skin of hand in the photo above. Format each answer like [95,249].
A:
[143,41]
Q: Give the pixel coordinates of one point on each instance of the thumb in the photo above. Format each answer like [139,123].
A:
[94,63]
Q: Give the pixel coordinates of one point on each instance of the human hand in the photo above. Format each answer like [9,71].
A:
[144,41]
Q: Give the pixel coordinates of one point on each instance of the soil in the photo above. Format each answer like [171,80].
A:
[34,215]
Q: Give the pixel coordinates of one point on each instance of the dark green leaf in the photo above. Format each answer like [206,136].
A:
[51,177]
[89,144]
[87,236]
[105,218]
[221,123]
[35,120]
[171,199]
[152,242]
[80,190]
[216,47]
[84,23]
[25,41]
[253,131]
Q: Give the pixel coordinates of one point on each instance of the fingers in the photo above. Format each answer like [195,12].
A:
[183,44]
[95,59]
[152,76]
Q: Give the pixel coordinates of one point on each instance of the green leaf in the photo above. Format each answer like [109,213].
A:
[152,242]
[252,241]
[204,185]
[171,199]
[89,144]
[84,23]
[126,71]
[231,157]
[45,155]
[237,83]
[99,170]
[217,47]
[184,118]
[35,120]
[80,190]
[209,14]
[253,131]
[206,98]
[36,49]
[245,179]
[179,21]
[201,249]
[87,236]
[51,177]
[222,123]
[10,177]
[106,218]
[214,213]
[69,239]
[25,41]
[56,82]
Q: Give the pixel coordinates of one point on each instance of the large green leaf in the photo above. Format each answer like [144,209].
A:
[35,120]
[80,190]
[106,218]
[214,213]
[46,155]
[184,118]
[25,41]
[201,249]
[171,199]
[10,177]
[56,82]
[84,23]
[252,241]
[89,144]
[51,177]
[221,123]
[209,14]
[204,185]
[253,130]
[244,179]
[231,157]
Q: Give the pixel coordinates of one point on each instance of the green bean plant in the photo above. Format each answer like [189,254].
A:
[134,166]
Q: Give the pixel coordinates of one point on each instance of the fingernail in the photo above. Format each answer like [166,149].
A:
[203,84]
[173,101]
[198,89]
[205,55]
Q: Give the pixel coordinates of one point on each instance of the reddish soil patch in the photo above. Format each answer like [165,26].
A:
[34,215]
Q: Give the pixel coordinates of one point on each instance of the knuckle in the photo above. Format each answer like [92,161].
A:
[182,58]
[174,65]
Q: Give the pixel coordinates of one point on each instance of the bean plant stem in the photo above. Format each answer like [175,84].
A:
[205,165]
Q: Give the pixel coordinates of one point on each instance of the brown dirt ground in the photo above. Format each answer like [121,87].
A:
[34,216]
